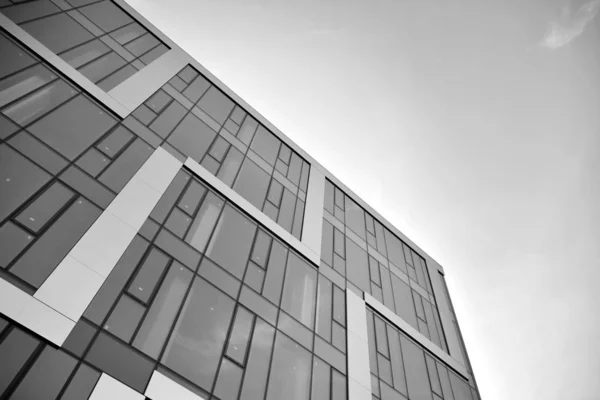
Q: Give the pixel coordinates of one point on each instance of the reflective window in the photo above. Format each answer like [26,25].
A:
[299,293]
[291,371]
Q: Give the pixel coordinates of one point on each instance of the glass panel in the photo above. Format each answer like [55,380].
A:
[142,44]
[68,36]
[82,384]
[381,335]
[178,222]
[258,305]
[275,192]
[459,388]
[162,312]
[205,221]
[196,89]
[327,243]
[231,242]
[15,58]
[445,381]
[300,290]
[275,272]
[128,163]
[218,277]
[385,368]
[114,142]
[192,137]
[128,33]
[24,82]
[433,375]
[47,376]
[416,372]
[290,372]
[338,386]
[173,246]
[103,67]
[240,335]
[166,121]
[295,330]
[106,15]
[339,243]
[247,130]
[195,346]
[73,127]
[396,359]
[49,250]
[216,104]
[255,276]
[266,145]
[158,101]
[357,266]
[192,196]
[219,148]
[230,166]
[261,248]
[116,78]
[295,168]
[286,213]
[404,301]
[12,241]
[228,383]
[120,361]
[324,308]
[355,218]
[80,337]
[37,151]
[16,347]
[321,380]
[380,236]
[93,162]
[329,193]
[252,183]
[28,11]
[125,318]
[166,202]
[258,362]
[148,275]
[339,337]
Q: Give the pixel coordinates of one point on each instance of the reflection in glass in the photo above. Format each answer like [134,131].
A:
[290,372]
[300,290]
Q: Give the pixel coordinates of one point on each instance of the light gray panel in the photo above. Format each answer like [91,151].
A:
[313,212]
[357,315]
[359,368]
[45,321]
[358,392]
[139,87]
[161,387]
[135,203]
[108,388]
[159,170]
[70,288]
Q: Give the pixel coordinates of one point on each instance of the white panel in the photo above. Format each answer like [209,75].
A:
[108,388]
[103,244]
[358,360]
[159,170]
[164,388]
[45,321]
[414,334]
[70,288]
[313,211]
[134,203]
[357,315]
[357,392]
[12,299]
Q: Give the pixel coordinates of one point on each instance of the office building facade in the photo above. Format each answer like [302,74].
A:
[160,239]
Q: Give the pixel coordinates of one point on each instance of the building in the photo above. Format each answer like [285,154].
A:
[160,239]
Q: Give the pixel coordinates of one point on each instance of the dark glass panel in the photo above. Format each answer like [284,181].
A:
[338,337]
[252,183]
[16,347]
[254,277]
[128,163]
[290,372]
[238,115]
[445,382]
[416,372]
[144,114]
[231,242]
[68,36]
[106,296]
[154,54]
[24,82]
[82,384]
[14,57]
[327,243]
[93,162]
[80,337]
[7,127]
[230,166]
[128,33]
[219,148]
[157,323]
[339,245]
[142,44]
[387,393]
[434,379]
[192,137]
[87,186]
[396,359]
[338,386]
[355,218]
[385,368]
[372,346]
[321,380]
[47,376]
[386,286]
[196,89]
[103,67]
[158,101]
[125,318]
[148,275]
[85,53]
[258,362]
[275,272]
[240,335]
[247,130]
[381,335]
[178,222]
[300,290]
[35,150]
[218,277]
[115,141]
[261,248]
[404,301]
[295,330]
[106,15]
[324,308]
[120,361]
[117,77]
[177,249]
[31,10]
[12,241]
[187,74]
[166,121]
[73,127]
[286,212]
[275,192]
[330,354]
[168,199]
[357,265]
[49,250]
[204,221]
[266,145]
[192,196]
[228,383]
[196,343]
[298,219]
[216,104]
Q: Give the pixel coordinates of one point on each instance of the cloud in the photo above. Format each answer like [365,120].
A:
[570,25]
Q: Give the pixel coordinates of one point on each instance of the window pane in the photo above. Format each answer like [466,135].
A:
[68,36]
[266,145]
[196,89]
[166,121]
[93,162]
[106,15]
[252,183]
[404,301]
[324,308]
[204,222]
[300,290]
[416,372]
[355,218]
[290,372]
[162,313]
[258,362]
[82,384]
[218,277]
[14,58]
[228,383]
[275,272]
[178,222]
[80,337]
[196,344]
[216,104]
[17,348]
[24,82]
[247,130]
[327,243]
[231,242]
[128,33]
[357,265]
[125,318]
[230,166]
[38,213]
[192,137]
[240,334]
[396,359]
[12,241]
[321,380]
[338,386]
[73,127]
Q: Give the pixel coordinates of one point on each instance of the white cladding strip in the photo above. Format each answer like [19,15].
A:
[108,388]
[62,66]
[164,388]
[359,371]
[416,335]
[313,211]
[74,283]
[257,214]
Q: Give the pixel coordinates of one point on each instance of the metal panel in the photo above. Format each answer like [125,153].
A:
[45,321]
[161,387]
[359,370]
[313,211]
[108,388]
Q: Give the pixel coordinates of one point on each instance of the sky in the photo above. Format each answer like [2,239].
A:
[471,125]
